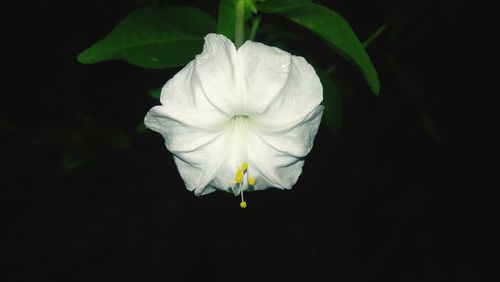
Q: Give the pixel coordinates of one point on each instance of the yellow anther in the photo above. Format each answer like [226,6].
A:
[251,181]
[239,176]
[243,204]
[244,166]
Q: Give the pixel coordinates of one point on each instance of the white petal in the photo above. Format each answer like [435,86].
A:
[197,106]
[207,85]
[200,151]
[278,84]
[215,75]
[195,146]
[277,154]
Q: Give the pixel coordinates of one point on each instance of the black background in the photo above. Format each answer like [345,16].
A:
[381,202]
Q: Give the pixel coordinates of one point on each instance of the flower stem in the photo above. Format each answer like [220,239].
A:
[374,35]
[239,23]
[255,27]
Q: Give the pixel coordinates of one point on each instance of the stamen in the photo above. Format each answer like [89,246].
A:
[251,181]
[242,181]
[239,175]
[243,204]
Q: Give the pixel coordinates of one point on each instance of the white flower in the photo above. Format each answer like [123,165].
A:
[239,119]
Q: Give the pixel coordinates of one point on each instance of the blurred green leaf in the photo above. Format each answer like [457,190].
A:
[155,93]
[273,34]
[226,16]
[82,141]
[412,86]
[154,38]
[430,126]
[116,138]
[400,14]
[332,100]
[74,157]
[10,128]
[331,27]
[141,128]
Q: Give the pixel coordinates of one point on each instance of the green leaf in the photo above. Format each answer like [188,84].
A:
[116,138]
[226,16]
[154,38]
[331,27]
[155,93]
[141,128]
[401,14]
[272,34]
[332,100]
[411,84]
[74,157]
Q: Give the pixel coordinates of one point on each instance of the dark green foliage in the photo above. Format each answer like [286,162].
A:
[331,27]
[154,38]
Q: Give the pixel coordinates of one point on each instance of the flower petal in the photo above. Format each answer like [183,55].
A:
[277,155]
[207,86]
[197,105]
[199,150]
[278,84]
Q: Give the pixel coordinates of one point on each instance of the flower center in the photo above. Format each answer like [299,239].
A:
[242,180]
